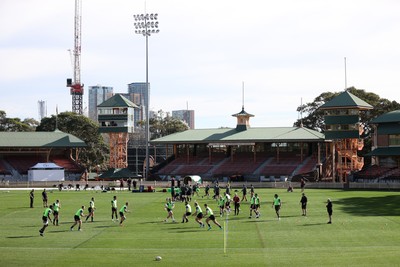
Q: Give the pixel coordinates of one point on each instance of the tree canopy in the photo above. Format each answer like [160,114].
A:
[16,124]
[163,124]
[96,152]
[314,119]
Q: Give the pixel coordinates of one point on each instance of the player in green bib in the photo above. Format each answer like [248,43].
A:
[122,213]
[211,217]
[277,204]
[169,206]
[46,218]
[77,218]
[56,210]
[198,214]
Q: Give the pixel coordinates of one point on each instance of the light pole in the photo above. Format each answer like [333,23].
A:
[146,24]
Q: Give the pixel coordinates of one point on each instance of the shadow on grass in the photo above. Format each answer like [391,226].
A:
[259,221]
[151,222]
[20,236]
[312,224]
[186,231]
[59,231]
[105,226]
[371,206]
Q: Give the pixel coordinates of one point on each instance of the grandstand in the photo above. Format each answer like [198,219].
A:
[290,153]
[19,151]
[246,152]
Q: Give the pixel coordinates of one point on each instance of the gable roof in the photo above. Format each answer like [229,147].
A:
[118,101]
[229,135]
[346,100]
[392,116]
[56,139]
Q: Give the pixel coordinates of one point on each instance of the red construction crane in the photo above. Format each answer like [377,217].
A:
[75,84]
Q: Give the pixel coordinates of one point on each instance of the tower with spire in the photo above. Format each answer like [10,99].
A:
[344,128]
[243,118]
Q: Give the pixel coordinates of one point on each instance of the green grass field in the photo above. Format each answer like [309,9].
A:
[365,232]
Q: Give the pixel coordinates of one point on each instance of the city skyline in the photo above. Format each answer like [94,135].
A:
[285,52]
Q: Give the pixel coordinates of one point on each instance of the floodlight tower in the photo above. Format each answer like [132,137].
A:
[75,85]
[146,24]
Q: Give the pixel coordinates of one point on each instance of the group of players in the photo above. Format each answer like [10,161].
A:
[224,203]
[54,210]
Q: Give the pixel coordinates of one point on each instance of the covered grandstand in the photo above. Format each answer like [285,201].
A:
[261,153]
[19,151]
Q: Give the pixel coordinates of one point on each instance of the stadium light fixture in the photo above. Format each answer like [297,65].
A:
[146,25]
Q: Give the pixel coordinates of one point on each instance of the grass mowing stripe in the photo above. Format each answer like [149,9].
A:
[364,232]
[87,240]
[260,236]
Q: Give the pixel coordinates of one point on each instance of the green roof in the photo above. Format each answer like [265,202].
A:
[392,116]
[385,151]
[346,100]
[243,113]
[56,139]
[388,128]
[118,101]
[251,135]
[342,119]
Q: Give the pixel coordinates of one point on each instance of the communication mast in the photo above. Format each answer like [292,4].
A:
[75,84]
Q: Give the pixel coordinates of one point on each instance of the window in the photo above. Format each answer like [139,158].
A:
[394,140]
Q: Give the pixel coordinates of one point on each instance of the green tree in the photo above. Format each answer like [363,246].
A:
[314,117]
[96,152]
[15,124]
[163,124]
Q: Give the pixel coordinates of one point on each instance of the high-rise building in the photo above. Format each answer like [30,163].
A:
[97,95]
[42,108]
[185,115]
[137,93]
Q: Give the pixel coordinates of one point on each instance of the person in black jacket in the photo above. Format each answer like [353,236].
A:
[329,210]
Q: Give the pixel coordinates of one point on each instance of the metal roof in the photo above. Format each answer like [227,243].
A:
[346,100]
[117,101]
[56,139]
[243,113]
[392,116]
[385,151]
[251,135]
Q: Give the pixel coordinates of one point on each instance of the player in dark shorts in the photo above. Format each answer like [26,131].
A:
[244,192]
[277,204]
[207,191]
[198,214]
[236,201]
[114,207]
[329,209]
[44,198]
[169,206]
[121,213]
[188,212]
[32,197]
[56,210]
[91,210]
[46,218]
[211,217]
[77,218]
[303,202]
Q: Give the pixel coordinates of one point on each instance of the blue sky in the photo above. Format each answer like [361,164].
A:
[284,51]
